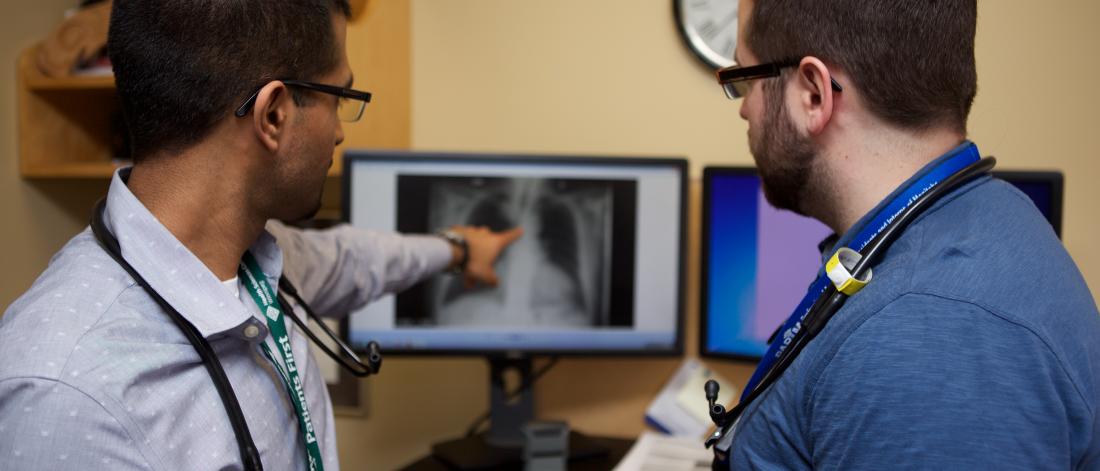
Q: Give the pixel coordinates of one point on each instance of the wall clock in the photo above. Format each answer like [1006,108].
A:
[709,28]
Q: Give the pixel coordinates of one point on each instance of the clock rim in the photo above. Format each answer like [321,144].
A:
[695,43]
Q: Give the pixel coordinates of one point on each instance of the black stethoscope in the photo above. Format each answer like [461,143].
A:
[827,304]
[250,456]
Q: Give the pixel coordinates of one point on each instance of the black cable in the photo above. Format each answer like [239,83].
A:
[523,387]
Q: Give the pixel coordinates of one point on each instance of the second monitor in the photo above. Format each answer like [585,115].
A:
[757,262]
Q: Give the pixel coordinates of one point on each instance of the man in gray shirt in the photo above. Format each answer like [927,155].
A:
[235,109]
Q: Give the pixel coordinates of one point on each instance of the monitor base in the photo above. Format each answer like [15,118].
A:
[475,453]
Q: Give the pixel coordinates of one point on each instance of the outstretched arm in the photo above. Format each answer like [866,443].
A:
[341,269]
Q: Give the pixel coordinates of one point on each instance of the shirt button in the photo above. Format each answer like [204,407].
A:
[251,331]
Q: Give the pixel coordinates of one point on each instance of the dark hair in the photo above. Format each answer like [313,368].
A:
[181,66]
[912,60]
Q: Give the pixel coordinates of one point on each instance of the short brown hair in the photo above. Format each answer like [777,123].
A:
[912,60]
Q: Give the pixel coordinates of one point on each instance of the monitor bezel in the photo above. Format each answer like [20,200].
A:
[680,164]
[1055,178]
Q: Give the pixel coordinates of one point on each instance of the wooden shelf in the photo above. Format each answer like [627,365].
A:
[70,170]
[38,82]
[69,127]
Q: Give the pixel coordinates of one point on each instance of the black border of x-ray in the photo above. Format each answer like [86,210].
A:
[1053,178]
[680,164]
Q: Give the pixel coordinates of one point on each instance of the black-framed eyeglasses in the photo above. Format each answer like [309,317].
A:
[349,105]
[735,80]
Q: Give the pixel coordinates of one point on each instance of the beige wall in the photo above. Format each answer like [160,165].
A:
[612,77]
[600,77]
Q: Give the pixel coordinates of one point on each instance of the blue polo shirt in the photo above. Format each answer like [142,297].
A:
[976,346]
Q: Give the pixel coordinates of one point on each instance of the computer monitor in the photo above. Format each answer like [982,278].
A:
[1045,190]
[598,270]
[757,261]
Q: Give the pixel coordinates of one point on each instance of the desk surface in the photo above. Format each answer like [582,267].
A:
[616,449]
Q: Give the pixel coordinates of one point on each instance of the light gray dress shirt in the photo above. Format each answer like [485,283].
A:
[94,374]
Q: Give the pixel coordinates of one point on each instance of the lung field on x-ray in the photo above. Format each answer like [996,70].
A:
[573,267]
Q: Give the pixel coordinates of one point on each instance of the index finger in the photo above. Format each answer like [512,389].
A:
[511,235]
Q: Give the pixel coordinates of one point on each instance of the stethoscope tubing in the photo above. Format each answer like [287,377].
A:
[357,368]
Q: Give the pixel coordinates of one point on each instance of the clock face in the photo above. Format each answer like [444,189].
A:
[710,29]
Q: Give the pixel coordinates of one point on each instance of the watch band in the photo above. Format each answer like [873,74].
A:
[459,241]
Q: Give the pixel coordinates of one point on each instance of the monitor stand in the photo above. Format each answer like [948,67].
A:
[502,446]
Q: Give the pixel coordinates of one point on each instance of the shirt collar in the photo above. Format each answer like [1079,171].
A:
[173,271]
[831,243]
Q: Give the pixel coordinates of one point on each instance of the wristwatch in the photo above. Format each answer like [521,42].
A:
[459,241]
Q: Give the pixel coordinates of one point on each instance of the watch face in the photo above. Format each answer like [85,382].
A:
[710,29]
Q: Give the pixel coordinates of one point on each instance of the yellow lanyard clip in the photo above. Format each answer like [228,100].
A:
[839,269]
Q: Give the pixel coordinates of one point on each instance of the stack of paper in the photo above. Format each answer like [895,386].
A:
[654,451]
[681,407]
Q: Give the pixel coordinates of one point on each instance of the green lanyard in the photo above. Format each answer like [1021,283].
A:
[264,296]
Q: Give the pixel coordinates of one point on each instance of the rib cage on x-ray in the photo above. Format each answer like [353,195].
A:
[558,274]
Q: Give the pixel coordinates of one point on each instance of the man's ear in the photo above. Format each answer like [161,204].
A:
[815,94]
[269,116]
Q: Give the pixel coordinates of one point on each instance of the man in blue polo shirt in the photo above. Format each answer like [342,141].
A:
[976,345]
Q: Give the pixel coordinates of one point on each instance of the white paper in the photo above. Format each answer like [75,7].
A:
[654,451]
[681,407]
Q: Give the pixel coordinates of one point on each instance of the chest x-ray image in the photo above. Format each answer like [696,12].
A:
[572,268]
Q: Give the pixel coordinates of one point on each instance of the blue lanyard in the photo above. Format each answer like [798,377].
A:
[953,162]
